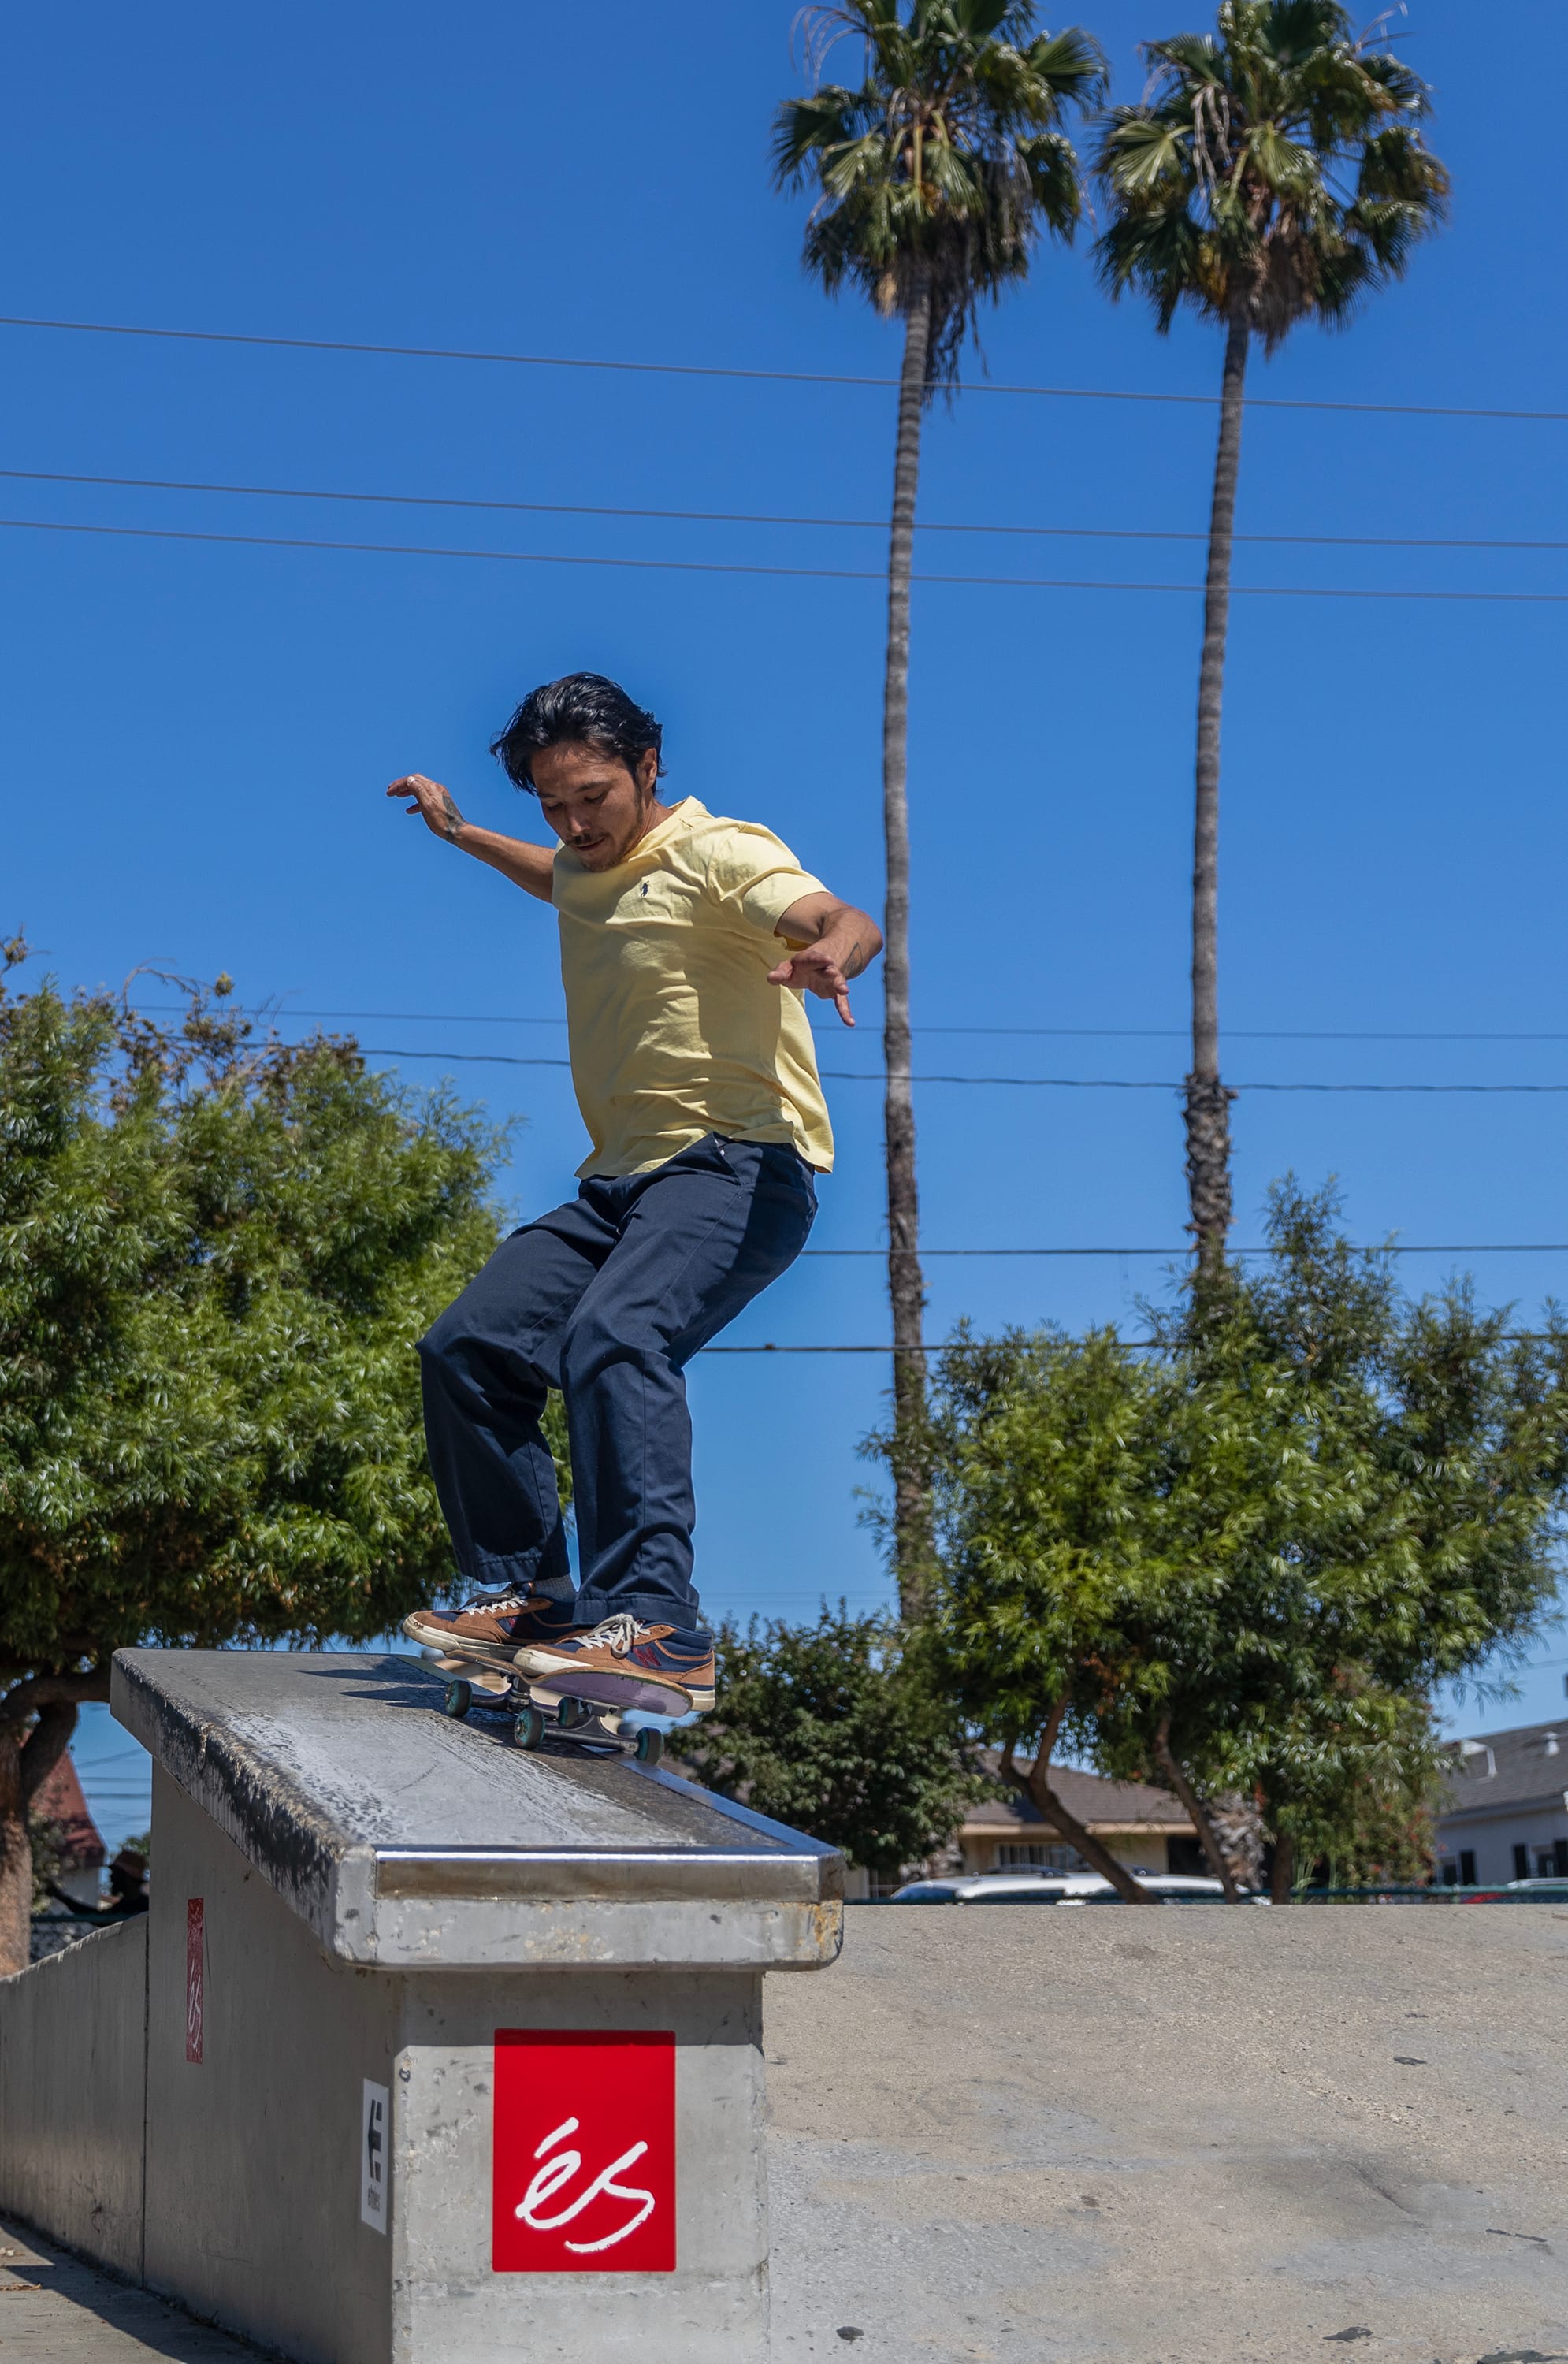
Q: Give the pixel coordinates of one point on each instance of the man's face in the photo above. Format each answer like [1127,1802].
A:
[593,803]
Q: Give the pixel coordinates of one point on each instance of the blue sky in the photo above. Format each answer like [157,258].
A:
[199,735]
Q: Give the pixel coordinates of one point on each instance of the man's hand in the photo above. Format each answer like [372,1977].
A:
[839,943]
[819,973]
[433,802]
[531,867]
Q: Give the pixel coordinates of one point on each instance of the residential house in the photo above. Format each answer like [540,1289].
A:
[60,1804]
[1145,1828]
[1503,1813]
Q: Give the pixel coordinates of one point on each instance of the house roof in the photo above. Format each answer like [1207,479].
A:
[1498,1770]
[59,1801]
[1100,1804]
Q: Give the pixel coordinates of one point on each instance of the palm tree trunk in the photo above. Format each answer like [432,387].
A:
[905,1283]
[1207,1101]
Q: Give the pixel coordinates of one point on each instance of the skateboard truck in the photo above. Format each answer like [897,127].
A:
[536,1711]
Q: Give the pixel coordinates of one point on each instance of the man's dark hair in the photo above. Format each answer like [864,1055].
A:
[583,707]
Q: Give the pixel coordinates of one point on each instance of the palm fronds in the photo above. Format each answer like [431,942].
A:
[936,174]
[1275,171]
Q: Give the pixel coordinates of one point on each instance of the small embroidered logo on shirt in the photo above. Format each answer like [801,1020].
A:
[643,888]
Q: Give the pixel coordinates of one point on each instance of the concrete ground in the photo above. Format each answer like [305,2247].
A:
[52,2308]
[1178,2137]
[1182,2135]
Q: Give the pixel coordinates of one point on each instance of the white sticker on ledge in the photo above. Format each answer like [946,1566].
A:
[375,2119]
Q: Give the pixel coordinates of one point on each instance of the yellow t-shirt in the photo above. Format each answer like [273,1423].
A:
[674,1030]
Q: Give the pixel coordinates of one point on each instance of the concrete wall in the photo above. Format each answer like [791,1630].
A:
[253,2152]
[72,2085]
[449,2304]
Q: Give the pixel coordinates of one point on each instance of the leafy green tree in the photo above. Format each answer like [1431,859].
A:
[1365,1812]
[1273,174]
[215,1255]
[1381,1830]
[47,1857]
[833,1728]
[933,177]
[1046,1453]
[1240,1564]
[1381,1484]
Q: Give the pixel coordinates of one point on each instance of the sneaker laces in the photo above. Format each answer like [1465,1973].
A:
[500,1604]
[619,1634]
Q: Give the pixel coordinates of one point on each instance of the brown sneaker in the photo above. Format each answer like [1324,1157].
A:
[656,1670]
[490,1627]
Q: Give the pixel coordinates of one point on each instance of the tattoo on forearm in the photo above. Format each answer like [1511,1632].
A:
[854,960]
[451,820]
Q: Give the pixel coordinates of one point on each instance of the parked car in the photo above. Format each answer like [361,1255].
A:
[1056,1888]
[1520,1892]
[1169,1887]
[999,1887]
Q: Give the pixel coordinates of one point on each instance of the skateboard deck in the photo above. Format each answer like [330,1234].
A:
[541,1713]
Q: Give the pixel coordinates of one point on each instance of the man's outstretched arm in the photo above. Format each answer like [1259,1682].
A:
[831,944]
[531,867]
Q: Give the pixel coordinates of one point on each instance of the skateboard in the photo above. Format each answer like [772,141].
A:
[538,1714]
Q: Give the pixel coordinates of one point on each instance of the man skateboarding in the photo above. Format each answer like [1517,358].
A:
[686,943]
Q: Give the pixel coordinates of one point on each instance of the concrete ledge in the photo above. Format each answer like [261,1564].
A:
[405,1840]
[428,2046]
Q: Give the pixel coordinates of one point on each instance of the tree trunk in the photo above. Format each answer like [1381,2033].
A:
[1036,1786]
[1207,1101]
[904,1282]
[24,1765]
[1236,1822]
[15,1860]
[1194,1806]
[1282,1877]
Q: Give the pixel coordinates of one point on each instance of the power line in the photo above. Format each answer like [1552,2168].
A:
[747,517]
[1153,1034]
[420,1016]
[1482,1247]
[1117,1033]
[1036,1083]
[467,1058]
[779,377]
[1127,1345]
[1025,1083]
[732,566]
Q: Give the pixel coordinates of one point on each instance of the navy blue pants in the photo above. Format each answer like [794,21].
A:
[606,1299]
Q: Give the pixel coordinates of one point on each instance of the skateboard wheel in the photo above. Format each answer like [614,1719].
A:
[649,1746]
[572,1712]
[459,1700]
[527,1730]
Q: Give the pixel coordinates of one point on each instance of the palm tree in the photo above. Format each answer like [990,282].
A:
[1273,173]
[933,179]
